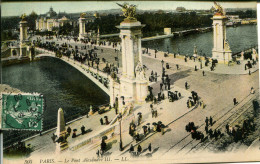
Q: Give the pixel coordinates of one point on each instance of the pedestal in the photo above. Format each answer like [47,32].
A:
[141,90]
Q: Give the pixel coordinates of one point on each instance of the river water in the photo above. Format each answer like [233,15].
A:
[239,38]
[61,84]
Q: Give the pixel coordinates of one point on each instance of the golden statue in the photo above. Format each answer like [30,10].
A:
[23,16]
[83,15]
[218,9]
[129,11]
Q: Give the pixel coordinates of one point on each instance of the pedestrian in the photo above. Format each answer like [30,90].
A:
[203,73]
[151,106]
[74,134]
[210,133]
[139,149]
[101,121]
[207,121]
[210,121]
[235,101]
[186,85]
[131,150]
[69,130]
[83,129]
[252,90]
[155,113]
[161,85]
[106,119]
[98,153]
[177,65]
[207,129]
[227,128]
[215,134]
[150,147]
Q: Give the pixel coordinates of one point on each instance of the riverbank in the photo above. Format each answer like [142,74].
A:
[14,60]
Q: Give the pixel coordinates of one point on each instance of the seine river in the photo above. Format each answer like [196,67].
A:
[61,84]
[239,38]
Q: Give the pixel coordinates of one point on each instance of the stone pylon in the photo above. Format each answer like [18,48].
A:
[133,83]
[62,143]
[23,38]
[221,50]
[82,24]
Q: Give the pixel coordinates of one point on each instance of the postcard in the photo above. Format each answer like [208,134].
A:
[129,82]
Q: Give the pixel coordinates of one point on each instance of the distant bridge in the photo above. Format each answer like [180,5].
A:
[177,33]
[190,31]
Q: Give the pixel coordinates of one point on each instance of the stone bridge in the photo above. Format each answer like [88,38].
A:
[101,79]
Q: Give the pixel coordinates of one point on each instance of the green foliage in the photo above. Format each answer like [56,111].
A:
[44,33]
[65,29]
[106,24]
[8,23]
[244,14]
[8,35]
[31,20]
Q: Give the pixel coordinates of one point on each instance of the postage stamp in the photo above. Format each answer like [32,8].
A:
[21,111]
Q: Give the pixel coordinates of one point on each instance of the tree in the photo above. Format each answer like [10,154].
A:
[31,20]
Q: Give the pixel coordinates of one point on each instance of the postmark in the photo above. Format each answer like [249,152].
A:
[21,111]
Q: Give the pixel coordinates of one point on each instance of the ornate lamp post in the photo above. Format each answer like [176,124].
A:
[119,117]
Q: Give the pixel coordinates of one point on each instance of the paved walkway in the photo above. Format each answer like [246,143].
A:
[44,144]
[220,68]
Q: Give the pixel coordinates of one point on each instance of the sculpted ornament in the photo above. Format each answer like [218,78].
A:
[23,16]
[227,47]
[139,71]
[218,9]
[129,11]
[82,15]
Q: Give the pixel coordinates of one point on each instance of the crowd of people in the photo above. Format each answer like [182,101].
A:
[90,57]
[239,133]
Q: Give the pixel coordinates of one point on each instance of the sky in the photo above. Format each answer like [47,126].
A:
[18,8]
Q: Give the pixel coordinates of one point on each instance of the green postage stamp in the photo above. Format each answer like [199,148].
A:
[23,111]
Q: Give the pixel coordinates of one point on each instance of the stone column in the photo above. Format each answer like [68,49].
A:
[124,63]
[61,132]
[140,49]
[82,32]
[130,58]
[23,37]
[23,31]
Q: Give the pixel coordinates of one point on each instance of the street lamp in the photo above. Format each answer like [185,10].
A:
[119,117]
